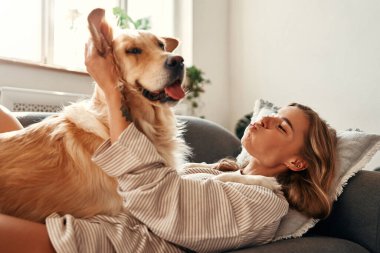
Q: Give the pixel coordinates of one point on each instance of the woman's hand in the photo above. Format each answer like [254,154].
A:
[101,69]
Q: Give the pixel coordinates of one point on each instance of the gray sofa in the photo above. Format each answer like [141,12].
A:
[353,226]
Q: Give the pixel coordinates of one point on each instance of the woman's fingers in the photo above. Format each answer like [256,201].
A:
[101,69]
[90,53]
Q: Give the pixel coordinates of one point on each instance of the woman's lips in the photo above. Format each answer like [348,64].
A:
[253,125]
[256,125]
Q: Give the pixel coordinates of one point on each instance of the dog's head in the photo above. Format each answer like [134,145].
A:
[145,62]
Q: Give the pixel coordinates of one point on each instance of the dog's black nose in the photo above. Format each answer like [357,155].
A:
[174,62]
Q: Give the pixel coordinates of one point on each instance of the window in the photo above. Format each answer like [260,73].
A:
[69,29]
[53,32]
[21,30]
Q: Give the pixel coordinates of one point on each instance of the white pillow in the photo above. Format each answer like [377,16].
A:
[355,150]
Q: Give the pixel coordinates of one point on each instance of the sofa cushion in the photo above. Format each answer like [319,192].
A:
[356,214]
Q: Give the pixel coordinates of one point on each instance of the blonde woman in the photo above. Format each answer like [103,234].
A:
[168,212]
[309,170]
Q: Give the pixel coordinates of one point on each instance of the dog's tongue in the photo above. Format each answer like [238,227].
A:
[175,91]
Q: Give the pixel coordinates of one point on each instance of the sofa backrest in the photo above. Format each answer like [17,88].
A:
[209,141]
[356,213]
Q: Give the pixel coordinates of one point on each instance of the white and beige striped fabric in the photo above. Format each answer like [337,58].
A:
[168,212]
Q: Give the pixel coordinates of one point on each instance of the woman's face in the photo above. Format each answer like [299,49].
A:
[273,140]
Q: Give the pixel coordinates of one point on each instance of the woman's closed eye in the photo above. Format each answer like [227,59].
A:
[282,128]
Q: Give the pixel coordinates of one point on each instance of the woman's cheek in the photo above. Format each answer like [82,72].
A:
[246,137]
[248,143]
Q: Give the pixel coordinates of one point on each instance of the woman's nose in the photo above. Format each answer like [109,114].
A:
[269,121]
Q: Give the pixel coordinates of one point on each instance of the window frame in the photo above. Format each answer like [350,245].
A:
[47,30]
[46,59]
[182,28]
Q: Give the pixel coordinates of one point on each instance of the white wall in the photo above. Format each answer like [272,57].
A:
[323,53]
[210,53]
[24,76]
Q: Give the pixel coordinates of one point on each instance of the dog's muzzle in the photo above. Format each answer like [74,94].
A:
[171,93]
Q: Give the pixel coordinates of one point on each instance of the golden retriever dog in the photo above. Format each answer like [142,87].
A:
[47,166]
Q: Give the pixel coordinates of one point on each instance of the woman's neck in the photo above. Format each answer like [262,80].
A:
[254,167]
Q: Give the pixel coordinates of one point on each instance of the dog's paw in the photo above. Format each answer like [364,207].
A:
[267,182]
[228,177]
[198,165]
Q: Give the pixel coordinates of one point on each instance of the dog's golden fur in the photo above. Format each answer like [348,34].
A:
[47,166]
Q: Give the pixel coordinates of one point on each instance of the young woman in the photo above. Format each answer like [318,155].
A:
[166,212]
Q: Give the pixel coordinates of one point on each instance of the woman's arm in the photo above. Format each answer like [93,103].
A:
[7,121]
[102,70]
[202,215]
[18,235]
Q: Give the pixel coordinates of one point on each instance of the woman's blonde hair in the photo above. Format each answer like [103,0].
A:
[308,190]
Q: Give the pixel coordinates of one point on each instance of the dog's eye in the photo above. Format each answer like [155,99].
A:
[134,50]
[161,45]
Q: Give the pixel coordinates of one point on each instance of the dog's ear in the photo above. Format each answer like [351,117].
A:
[171,44]
[101,31]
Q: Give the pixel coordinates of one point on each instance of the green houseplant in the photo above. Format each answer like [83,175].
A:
[195,77]
[126,22]
[195,85]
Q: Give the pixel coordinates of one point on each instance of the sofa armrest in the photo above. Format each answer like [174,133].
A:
[356,214]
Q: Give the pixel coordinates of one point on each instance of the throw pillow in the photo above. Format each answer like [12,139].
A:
[354,150]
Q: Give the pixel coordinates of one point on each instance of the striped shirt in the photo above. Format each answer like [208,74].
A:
[168,210]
